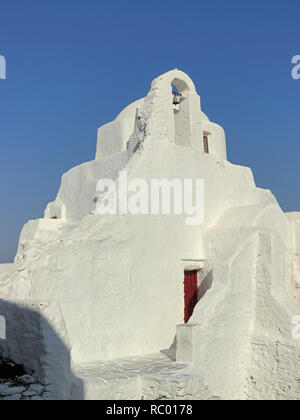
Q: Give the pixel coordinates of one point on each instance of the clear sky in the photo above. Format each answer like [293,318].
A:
[73,65]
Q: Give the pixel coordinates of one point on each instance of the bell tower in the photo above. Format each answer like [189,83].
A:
[171,111]
[181,107]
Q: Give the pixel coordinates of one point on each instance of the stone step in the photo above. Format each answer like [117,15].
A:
[136,378]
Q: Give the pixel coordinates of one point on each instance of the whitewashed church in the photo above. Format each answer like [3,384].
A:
[144,306]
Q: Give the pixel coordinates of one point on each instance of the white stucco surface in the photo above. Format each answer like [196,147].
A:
[4,268]
[117,280]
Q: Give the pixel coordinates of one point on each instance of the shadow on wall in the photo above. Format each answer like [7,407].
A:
[205,285]
[42,349]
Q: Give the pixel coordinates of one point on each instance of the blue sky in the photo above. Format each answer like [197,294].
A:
[72,65]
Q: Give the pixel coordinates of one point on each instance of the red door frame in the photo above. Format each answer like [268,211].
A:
[190,293]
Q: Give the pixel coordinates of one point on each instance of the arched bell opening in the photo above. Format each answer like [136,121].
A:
[181,111]
[176,96]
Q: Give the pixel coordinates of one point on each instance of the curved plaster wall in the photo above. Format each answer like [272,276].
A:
[114,268]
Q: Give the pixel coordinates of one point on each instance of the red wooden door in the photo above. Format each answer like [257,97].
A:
[190,293]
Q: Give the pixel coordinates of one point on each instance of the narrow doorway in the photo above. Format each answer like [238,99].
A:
[190,293]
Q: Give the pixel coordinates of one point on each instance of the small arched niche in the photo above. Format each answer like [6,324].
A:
[181,110]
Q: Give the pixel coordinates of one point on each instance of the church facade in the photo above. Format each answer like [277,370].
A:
[219,295]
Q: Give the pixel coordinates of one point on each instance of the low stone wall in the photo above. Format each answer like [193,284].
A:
[15,388]
[36,339]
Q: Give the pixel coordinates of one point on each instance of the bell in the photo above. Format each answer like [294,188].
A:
[176,100]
